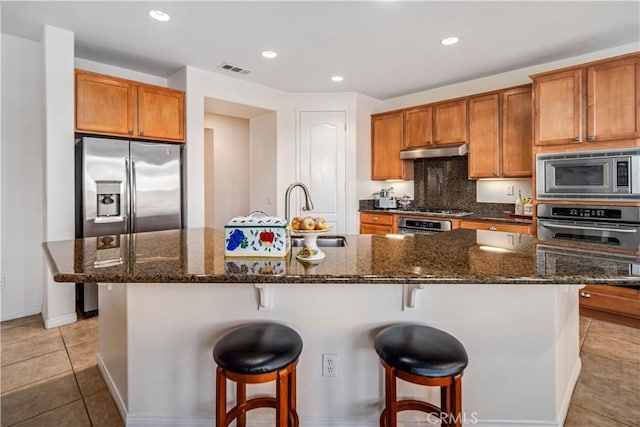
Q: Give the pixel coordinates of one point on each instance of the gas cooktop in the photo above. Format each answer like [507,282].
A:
[441,211]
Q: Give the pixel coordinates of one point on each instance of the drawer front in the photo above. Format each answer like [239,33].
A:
[493,226]
[611,299]
[375,229]
[379,219]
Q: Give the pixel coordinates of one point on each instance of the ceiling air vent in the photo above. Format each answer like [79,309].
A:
[233,68]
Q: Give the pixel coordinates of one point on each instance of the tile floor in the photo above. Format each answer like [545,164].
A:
[50,377]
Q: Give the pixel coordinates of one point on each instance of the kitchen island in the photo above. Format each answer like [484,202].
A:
[167,297]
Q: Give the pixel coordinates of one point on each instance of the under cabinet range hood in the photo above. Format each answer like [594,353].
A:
[430,153]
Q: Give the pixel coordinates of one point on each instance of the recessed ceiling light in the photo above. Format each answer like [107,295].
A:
[449,41]
[337,78]
[269,54]
[159,15]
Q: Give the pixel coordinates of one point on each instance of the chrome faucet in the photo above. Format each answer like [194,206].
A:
[308,204]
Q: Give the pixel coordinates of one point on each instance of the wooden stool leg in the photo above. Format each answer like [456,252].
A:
[282,400]
[390,406]
[455,399]
[241,398]
[445,403]
[292,398]
[221,398]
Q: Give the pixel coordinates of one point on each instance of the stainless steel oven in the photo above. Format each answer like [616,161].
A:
[422,226]
[597,226]
[553,260]
[595,175]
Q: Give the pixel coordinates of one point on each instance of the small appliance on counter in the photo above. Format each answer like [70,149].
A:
[385,199]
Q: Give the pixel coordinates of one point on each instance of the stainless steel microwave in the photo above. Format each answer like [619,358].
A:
[594,175]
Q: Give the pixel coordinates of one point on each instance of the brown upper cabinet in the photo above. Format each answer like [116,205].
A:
[500,134]
[450,122]
[112,106]
[595,102]
[431,125]
[387,131]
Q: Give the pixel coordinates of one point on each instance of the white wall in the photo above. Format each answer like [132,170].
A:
[263,161]
[200,84]
[57,49]
[123,73]
[22,178]
[227,191]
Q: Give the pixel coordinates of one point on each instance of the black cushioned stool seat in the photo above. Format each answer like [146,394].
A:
[426,356]
[253,354]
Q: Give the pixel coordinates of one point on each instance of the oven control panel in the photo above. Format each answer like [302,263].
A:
[596,213]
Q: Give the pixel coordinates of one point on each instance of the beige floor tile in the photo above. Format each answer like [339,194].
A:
[79,335]
[585,322]
[90,380]
[35,369]
[83,354]
[38,398]
[102,410]
[24,332]
[32,347]
[91,322]
[36,318]
[609,388]
[611,340]
[71,415]
[580,417]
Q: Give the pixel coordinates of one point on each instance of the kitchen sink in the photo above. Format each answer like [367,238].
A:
[323,241]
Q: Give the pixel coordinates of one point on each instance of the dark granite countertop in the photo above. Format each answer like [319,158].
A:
[197,256]
[472,217]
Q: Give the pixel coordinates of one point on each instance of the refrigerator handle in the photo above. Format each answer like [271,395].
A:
[133,195]
[128,195]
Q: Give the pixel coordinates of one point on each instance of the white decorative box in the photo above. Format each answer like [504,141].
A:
[256,235]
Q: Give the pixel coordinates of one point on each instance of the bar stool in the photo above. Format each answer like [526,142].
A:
[253,354]
[425,356]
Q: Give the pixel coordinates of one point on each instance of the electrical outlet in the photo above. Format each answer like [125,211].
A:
[329,364]
[509,190]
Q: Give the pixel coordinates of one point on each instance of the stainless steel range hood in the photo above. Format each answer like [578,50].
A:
[430,153]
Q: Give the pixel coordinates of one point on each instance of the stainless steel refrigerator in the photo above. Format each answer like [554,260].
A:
[124,187]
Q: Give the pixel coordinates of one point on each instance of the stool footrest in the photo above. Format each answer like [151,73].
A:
[417,405]
[256,402]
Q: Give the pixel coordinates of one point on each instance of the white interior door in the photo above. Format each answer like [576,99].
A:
[322,163]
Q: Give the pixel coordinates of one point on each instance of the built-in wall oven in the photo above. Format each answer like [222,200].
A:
[606,175]
[422,226]
[615,227]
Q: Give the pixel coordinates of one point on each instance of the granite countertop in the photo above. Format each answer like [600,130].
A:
[472,217]
[197,256]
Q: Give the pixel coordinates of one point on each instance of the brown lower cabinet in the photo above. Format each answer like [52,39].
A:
[612,303]
[376,223]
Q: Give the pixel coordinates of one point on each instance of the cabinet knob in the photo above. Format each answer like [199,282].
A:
[141,132]
[576,139]
[375,218]
[592,138]
[130,131]
[492,228]
[585,294]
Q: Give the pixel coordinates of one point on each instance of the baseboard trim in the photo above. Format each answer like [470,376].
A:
[29,311]
[59,321]
[120,404]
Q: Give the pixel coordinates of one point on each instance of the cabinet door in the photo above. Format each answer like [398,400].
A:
[417,127]
[559,108]
[375,229]
[386,142]
[160,113]
[104,105]
[611,299]
[517,132]
[613,104]
[484,137]
[450,122]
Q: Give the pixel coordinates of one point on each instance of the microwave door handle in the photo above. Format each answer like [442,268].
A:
[576,227]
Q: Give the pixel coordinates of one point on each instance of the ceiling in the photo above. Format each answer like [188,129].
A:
[383,49]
